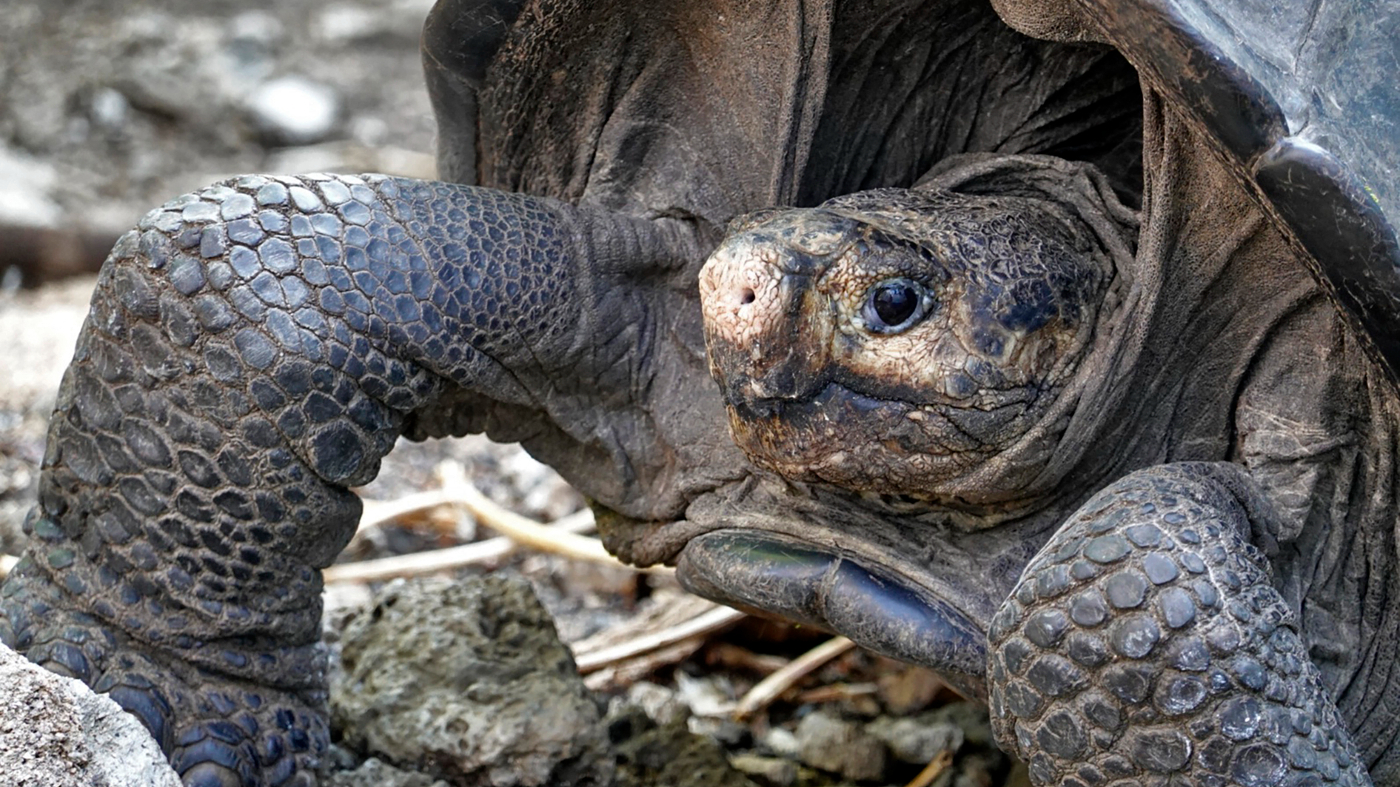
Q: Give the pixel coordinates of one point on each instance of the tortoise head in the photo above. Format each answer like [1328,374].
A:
[901,343]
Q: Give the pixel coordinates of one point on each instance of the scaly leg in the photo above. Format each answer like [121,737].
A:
[1145,642]
[253,350]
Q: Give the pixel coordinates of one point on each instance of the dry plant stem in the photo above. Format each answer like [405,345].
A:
[378,513]
[704,623]
[7,562]
[434,561]
[625,673]
[835,692]
[529,533]
[771,687]
[522,530]
[732,657]
[933,770]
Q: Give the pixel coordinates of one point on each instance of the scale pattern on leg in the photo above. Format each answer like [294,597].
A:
[251,352]
[1146,643]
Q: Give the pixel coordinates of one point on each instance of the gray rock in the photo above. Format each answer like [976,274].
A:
[660,703]
[55,732]
[468,680]
[25,190]
[781,742]
[840,746]
[917,739]
[652,756]
[373,773]
[294,111]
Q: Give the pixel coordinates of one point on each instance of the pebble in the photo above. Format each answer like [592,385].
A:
[294,110]
[908,690]
[840,746]
[916,739]
[781,742]
[660,703]
[110,109]
[373,773]
[709,695]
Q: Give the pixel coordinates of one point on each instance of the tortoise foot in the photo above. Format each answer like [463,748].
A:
[217,730]
[1146,642]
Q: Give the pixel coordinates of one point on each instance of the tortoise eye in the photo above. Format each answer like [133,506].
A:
[895,305]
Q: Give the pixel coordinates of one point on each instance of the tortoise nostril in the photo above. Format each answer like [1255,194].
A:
[746,296]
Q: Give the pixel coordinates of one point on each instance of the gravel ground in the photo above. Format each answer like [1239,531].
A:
[107,109]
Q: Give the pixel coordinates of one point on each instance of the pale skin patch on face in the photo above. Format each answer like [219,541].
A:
[741,294]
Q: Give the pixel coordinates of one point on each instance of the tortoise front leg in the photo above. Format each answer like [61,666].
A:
[252,351]
[1146,642]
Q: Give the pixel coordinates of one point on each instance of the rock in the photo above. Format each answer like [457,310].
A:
[660,703]
[674,757]
[969,717]
[468,680]
[781,742]
[840,746]
[910,689]
[25,190]
[373,773]
[55,732]
[916,739]
[294,111]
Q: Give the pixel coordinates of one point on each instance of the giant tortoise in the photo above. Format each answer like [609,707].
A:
[1055,347]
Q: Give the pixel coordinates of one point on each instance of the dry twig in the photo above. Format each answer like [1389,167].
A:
[559,538]
[705,623]
[933,770]
[771,687]
[378,513]
[522,530]
[434,561]
[836,692]
[624,673]
[729,656]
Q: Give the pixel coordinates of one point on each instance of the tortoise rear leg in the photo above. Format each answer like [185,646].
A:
[252,351]
[1146,642]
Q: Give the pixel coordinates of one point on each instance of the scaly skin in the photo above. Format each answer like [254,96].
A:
[1146,641]
[252,351]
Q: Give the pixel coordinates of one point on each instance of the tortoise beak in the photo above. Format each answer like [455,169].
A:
[753,296]
[771,575]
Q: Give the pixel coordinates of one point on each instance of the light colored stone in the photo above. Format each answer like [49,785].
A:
[916,739]
[840,746]
[55,732]
[294,111]
[373,773]
[659,702]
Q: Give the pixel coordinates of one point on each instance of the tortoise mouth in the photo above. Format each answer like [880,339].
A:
[774,575]
[890,575]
